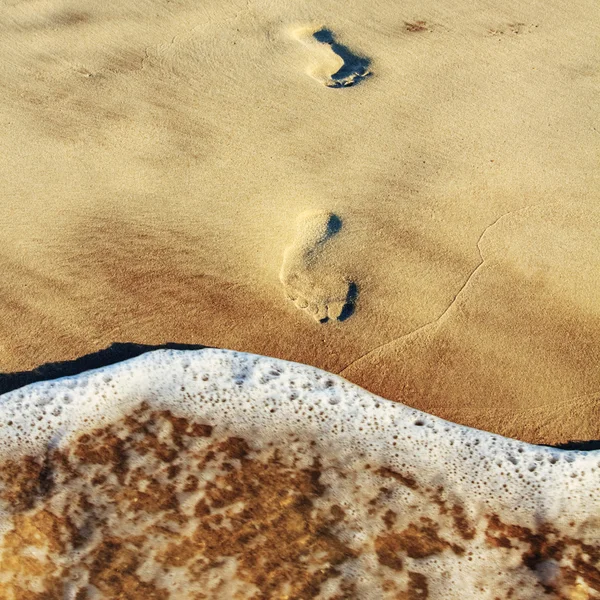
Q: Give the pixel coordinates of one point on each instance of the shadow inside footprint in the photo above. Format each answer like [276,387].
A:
[333,225]
[349,307]
[354,69]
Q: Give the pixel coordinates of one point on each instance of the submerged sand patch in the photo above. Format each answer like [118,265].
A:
[157,155]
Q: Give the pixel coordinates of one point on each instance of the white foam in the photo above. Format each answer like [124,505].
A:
[265,400]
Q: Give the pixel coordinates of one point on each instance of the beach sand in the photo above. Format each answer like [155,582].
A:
[179,171]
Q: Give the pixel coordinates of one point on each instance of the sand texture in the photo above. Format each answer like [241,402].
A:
[423,176]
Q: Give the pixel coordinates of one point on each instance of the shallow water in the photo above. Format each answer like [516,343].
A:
[216,474]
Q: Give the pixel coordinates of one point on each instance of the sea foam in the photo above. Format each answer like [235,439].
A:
[218,474]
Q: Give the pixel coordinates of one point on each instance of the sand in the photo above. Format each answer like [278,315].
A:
[158,158]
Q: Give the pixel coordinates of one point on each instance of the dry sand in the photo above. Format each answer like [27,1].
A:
[160,156]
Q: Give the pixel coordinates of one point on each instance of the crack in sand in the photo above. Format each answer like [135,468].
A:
[454,299]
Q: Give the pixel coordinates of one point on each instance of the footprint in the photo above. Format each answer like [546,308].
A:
[334,65]
[308,279]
